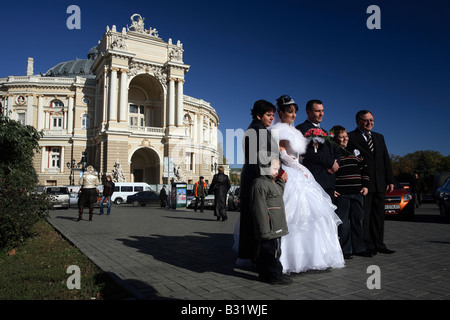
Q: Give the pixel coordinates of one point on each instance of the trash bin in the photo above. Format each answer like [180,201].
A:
[178,196]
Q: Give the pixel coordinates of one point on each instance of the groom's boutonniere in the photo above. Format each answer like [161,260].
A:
[356,152]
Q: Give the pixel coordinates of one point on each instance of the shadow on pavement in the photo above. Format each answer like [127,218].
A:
[207,252]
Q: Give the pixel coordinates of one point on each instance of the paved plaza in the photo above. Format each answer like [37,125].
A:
[157,253]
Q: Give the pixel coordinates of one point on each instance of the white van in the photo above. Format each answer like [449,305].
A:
[124,189]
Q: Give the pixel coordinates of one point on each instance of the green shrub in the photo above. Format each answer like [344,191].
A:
[20,206]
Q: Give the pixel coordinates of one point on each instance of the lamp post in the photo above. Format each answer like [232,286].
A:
[72,165]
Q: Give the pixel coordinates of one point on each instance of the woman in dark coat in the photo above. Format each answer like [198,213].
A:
[257,141]
[220,186]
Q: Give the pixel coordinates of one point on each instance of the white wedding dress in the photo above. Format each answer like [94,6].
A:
[312,242]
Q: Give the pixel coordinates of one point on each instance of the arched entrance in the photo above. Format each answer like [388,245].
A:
[145,166]
[145,102]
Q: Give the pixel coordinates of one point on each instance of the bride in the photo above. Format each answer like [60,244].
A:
[312,242]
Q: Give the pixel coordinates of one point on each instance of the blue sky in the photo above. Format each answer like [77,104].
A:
[243,51]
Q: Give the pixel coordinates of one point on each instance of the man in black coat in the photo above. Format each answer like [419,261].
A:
[220,186]
[372,148]
[325,162]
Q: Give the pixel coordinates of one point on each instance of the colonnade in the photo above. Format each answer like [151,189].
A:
[118,98]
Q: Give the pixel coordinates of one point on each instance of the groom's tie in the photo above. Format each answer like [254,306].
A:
[369,141]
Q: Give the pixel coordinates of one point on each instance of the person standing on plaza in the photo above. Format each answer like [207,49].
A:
[108,190]
[88,192]
[257,141]
[270,224]
[220,186]
[352,180]
[323,161]
[200,192]
[163,197]
[418,187]
[373,149]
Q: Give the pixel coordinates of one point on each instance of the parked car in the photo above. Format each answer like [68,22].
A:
[124,189]
[400,202]
[444,199]
[143,198]
[209,202]
[233,200]
[59,196]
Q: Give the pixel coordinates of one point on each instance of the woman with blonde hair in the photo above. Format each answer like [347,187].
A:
[88,192]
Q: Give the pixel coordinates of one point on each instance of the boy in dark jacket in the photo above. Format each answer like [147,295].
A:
[270,224]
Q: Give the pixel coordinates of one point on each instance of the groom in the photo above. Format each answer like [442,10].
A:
[325,162]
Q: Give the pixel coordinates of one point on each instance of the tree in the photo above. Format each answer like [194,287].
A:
[425,163]
[20,205]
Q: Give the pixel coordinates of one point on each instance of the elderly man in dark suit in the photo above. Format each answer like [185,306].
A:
[325,162]
[372,148]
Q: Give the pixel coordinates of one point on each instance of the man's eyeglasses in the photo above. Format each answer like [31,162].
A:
[366,120]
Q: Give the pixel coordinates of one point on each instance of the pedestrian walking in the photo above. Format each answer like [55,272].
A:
[220,186]
[108,190]
[200,192]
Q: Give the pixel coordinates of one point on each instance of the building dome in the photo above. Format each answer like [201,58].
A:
[78,67]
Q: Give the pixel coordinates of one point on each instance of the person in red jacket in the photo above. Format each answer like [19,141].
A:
[200,193]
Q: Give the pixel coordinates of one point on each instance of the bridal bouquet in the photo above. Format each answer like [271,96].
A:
[317,136]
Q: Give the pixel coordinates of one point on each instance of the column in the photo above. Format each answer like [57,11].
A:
[195,129]
[123,95]
[10,107]
[105,100]
[29,116]
[61,160]
[112,116]
[171,101]
[40,113]
[200,129]
[180,109]
[70,115]
[42,159]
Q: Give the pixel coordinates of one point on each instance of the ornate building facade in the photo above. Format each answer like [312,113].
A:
[123,106]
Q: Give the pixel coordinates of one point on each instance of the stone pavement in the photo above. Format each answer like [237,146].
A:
[158,253]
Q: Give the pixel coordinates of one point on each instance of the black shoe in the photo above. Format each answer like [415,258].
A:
[386,251]
[224,218]
[285,281]
[218,218]
[366,254]
[348,256]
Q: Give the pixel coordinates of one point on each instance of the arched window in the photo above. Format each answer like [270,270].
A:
[188,124]
[56,104]
[56,115]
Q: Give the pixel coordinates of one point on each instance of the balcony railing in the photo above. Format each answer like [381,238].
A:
[151,130]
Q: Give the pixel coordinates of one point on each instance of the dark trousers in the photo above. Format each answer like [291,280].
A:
[330,192]
[81,209]
[202,203]
[268,261]
[248,244]
[350,209]
[374,221]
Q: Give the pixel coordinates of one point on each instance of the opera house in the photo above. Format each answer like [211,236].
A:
[121,109]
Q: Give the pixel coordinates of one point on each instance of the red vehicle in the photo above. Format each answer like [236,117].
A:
[400,202]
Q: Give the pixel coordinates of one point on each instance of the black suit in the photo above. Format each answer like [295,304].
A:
[380,175]
[319,162]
